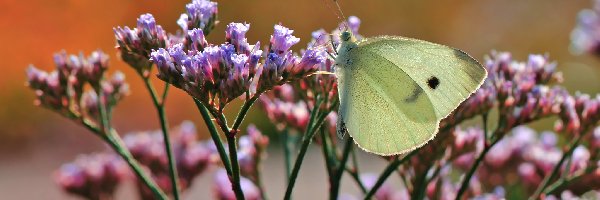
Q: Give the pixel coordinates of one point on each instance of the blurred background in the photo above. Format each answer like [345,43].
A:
[34,141]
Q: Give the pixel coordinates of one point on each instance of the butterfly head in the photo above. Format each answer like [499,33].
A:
[347,36]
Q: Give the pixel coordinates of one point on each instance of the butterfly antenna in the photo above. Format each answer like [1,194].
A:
[344,20]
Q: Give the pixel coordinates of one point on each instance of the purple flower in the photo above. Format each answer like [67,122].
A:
[223,191]
[282,39]
[62,90]
[235,33]
[192,156]
[195,40]
[584,38]
[353,23]
[93,176]
[136,45]
[165,62]
[96,66]
[201,14]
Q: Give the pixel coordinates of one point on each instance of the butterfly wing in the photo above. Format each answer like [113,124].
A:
[389,102]
[448,76]
[381,107]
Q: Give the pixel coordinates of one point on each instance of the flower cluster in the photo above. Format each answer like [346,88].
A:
[201,14]
[579,113]
[521,91]
[63,91]
[134,45]
[216,75]
[192,156]
[584,38]
[93,176]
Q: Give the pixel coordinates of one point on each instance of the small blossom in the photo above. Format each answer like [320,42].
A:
[136,45]
[282,39]
[195,40]
[235,33]
[223,191]
[200,14]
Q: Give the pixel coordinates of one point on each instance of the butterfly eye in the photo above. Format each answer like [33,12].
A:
[433,82]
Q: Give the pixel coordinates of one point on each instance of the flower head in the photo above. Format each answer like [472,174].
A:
[93,176]
[282,39]
[63,91]
[135,45]
[201,14]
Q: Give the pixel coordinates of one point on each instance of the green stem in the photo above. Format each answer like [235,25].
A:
[465,182]
[214,135]
[338,174]
[235,166]
[287,153]
[562,183]
[243,111]
[355,173]
[387,172]
[327,155]
[117,144]
[160,108]
[230,134]
[421,185]
[556,168]
[308,136]
[114,140]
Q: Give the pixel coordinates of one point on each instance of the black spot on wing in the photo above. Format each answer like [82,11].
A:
[433,82]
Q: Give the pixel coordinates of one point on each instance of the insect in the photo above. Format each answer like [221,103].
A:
[394,91]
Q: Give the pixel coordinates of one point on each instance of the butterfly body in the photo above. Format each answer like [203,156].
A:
[394,91]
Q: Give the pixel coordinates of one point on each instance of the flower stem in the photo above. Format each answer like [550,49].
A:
[160,108]
[308,136]
[117,144]
[544,184]
[230,135]
[486,149]
[339,171]
[421,184]
[467,179]
[214,134]
[387,172]
[235,166]
[243,111]
[354,173]
[114,140]
[287,153]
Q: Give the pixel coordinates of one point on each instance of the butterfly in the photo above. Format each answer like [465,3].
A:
[394,91]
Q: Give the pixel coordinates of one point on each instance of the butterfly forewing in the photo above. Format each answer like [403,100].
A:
[448,76]
[382,108]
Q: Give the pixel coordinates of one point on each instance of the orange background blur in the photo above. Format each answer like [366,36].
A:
[35,141]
